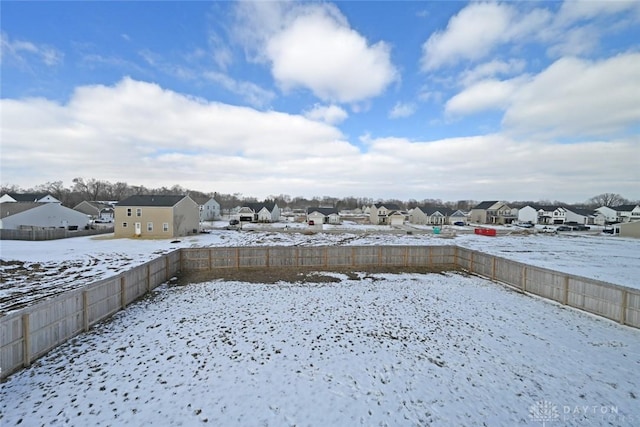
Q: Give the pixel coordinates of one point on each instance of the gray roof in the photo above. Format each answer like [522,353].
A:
[152,200]
[257,207]
[485,205]
[8,209]
[390,206]
[27,197]
[323,211]
[624,208]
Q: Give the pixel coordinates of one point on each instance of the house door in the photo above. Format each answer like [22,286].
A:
[138,228]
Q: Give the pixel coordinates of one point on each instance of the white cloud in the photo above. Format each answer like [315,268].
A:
[331,114]
[402,110]
[313,47]
[576,10]
[471,34]
[492,69]
[484,95]
[143,134]
[21,52]
[250,92]
[575,97]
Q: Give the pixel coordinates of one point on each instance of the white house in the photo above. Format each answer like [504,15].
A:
[28,197]
[379,213]
[17,215]
[627,213]
[429,216]
[580,216]
[528,214]
[458,216]
[396,218]
[605,215]
[259,212]
[209,208]
[323,215]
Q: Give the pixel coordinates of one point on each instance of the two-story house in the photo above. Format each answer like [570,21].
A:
[156,216]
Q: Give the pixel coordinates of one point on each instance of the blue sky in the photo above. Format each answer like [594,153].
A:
[409,100]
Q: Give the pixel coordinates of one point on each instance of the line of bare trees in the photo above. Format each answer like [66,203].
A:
[98,190]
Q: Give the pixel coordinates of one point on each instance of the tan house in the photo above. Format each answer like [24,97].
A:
[492,212]
[156,216]
[379,213]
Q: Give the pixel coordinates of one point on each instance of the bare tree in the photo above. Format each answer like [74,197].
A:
[607,199]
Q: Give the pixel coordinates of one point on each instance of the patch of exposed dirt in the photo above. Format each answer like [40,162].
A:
[296,275]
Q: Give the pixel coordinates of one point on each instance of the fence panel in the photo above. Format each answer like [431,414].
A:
[103,299]
[546,283]
[11,344]
[595,297]
[53,322]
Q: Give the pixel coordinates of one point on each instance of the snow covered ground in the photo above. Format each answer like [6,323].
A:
[379,349]
[34,270]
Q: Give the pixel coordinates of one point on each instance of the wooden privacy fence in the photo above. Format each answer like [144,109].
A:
[327,257]
[618,303]
[32,331]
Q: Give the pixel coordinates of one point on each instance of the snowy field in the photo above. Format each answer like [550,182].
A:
[381,349]
[35,270]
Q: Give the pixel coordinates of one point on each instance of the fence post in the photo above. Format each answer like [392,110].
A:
[123,293]
[326,256]
[26,341]
[493,269]
[238,258]
[406,256]
[565,299]
[455,256]
[267,257]
[167,271]
[524,278]
[210,259]
[430,256]
[471,263]
[85,310]
[623,308]
[148,277]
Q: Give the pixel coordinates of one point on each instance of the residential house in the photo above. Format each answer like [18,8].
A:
[28,197]
[528,214]
[323,215]
[605,215]
[429,216]
[209,208]
[156,216]
[459,216]
[20,215]
[492,212]
[579,216]
[99,211]
[396,218]
[379,212]
[259,212]
[627,213]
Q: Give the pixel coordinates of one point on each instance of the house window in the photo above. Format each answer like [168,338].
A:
[165,226]
[124,225]
[138,212]
[128,211]
[149,226]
